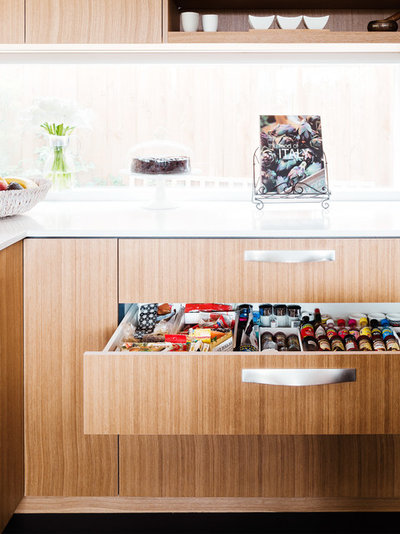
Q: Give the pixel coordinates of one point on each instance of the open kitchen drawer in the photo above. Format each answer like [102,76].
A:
[233,393]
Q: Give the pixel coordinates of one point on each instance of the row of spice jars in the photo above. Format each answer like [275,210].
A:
[280,341]
[368,337]
[279,315]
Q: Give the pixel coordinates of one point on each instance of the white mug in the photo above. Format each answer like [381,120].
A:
[210,23]
[190,21]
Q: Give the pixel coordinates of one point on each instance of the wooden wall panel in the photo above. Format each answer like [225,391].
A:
[93,21]
[260,466]
[70,305]
[12,21]
[11,382]
[214,270]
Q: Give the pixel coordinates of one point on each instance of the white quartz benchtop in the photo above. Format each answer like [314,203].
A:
[203,219]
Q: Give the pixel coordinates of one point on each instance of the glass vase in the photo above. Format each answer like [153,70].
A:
[59,166]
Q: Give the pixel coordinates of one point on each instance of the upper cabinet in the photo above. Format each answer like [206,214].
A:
[11,21]
[93,21]
[347,23]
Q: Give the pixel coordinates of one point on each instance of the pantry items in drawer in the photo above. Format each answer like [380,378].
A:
[209,327]
[193,327]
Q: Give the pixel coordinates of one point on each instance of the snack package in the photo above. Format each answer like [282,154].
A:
[207,307]
[195,316]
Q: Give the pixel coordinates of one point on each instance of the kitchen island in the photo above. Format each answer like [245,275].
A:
[82,260]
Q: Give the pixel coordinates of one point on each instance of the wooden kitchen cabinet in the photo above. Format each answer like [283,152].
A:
[226,393]
[11,382]
[217,270]
[93,21]
[11,21]
[70,303]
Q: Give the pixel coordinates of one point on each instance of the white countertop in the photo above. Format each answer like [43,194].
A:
[203,219]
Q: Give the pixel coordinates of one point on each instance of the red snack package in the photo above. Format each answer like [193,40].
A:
[207,307]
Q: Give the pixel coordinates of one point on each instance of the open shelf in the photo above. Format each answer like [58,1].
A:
[347,23]
[284,36]
[286,4]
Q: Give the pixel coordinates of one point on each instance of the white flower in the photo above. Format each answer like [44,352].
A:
[58,111]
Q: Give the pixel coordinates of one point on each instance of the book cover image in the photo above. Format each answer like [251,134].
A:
[292,155]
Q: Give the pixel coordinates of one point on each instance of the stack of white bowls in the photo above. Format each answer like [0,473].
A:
[288,23]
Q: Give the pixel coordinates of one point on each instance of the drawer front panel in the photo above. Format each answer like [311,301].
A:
[255,270]
[191,394]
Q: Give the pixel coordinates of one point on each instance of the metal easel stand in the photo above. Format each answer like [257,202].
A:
[299,192]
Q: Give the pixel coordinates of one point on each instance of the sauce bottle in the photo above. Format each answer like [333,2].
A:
[317,317]
[320,332]
[307,328]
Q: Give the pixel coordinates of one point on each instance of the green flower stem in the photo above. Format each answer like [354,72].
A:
[60,175]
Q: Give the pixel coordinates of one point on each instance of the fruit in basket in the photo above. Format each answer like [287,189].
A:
[25,183]
[3,185]
[14,186]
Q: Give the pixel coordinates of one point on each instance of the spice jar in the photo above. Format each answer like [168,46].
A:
[280,340]
[294,315]
[310,343]
[337,343]
[265,314]
[293,343]
[331,332]
[280,312]
[378,344]
[324,343]
[267,342]
[365,331]
[350,343]
[364,343]
[391,343]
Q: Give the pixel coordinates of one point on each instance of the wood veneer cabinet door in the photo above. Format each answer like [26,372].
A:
[261,466]
[215,270]
[93,21]
[213,394]
[11,21]
[70,304]
[11,382]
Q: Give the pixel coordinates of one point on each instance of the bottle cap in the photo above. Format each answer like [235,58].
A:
[341,322]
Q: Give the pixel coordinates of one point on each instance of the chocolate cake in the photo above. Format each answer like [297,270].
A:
[173,165]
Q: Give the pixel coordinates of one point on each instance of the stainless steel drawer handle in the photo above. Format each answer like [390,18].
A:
[289,256]
[298,377]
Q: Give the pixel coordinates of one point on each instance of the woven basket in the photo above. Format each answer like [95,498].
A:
[21,200]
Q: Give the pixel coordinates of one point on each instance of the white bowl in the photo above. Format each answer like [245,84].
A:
[316,23]
[260,23]
[288,23]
